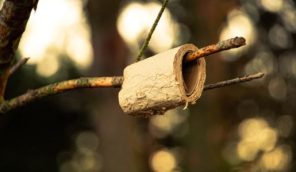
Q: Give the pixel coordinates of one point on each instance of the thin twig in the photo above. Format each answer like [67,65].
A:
[234,81]
[60,87]
[148,38]
[95,82]
[18,65]
[214,48]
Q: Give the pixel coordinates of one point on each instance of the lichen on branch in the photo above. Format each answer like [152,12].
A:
[60,87]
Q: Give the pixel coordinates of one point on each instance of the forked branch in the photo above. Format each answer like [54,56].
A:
[13,20]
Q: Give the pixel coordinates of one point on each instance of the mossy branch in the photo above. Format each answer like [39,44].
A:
[60,87]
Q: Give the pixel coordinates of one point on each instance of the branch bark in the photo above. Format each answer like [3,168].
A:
[18,65]
[60,87]
[13,20]
[215,48]
[95,82]
[234,81]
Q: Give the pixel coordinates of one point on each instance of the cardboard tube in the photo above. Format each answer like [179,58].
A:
[162,82]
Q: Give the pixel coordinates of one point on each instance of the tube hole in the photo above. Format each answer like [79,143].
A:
[190,75]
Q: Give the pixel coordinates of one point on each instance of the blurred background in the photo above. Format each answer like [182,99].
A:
[246,127]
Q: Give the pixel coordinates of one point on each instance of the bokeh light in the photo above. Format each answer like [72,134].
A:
[277,159]
[87,141]
[277,88]
[48,66]
[288,16]
[59,28]
[262,62]
[272,5]
[238,24]
[85,158]
[162,125]
[280,37]
[135,21]
[287,64]
[53,34]
[163,161]
[256,135]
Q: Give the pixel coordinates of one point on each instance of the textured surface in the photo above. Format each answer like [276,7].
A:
[13,20]
[156,84]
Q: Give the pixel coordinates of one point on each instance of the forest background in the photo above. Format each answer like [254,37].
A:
[247,127]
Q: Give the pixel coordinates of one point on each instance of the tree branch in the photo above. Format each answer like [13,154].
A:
[155,23]
[215,48]
[18,65]
[60,87]
[95,82]
[233,81]
[13,20]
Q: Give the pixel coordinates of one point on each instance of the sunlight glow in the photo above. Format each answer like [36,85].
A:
[238,24]
[49,65]
[162,125]
[272,5]
[135,21]
[256,135]
[163,161]
[57,28]
[288,15]
[277,159]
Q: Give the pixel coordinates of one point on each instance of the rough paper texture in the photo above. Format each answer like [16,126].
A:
[152,86]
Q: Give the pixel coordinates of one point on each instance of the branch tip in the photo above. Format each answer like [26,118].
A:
[239,41]
[18,65]
[215,48]
[234,81]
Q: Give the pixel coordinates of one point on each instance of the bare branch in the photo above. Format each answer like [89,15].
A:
[214,48]
[234,81]
[147,40]
[60,87]
[18,65]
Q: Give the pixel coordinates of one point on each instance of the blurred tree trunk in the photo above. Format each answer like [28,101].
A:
[109,59]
